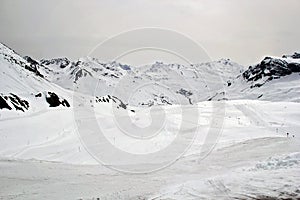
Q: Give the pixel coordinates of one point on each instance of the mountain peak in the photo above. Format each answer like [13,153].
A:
[296,55]
[271,68]
[60,62]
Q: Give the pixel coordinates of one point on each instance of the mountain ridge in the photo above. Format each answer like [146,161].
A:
[153,84]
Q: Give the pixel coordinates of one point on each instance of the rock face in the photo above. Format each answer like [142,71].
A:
[12,101]
[109,98]
[294,56]
[33,66]
[26,62]
[78,73]
[4,104]
[32,62]
[15,103]
[269,69]
[55,101]
[61,62]
[186,94]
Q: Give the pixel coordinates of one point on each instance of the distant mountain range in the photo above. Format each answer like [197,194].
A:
[29,84]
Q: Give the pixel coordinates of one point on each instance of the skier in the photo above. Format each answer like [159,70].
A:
[287,134]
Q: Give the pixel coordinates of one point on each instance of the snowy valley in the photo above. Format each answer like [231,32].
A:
[49,107]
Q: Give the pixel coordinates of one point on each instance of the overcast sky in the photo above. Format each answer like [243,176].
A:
[242,30]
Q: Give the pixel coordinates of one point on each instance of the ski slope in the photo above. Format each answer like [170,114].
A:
[252,157]
[213,130]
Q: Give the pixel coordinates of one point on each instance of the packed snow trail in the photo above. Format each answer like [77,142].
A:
[250,159]
[252,115]
[228,172]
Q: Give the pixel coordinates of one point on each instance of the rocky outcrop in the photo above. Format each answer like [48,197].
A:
[113,99]
[13,102]
[186,94]
[61,62]
[54,100]
[269,69]
[294,56]
[4,104]
[78,73]
[33,66]
[24,63]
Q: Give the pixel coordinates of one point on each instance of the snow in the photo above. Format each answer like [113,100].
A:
[252,145]
[275,163]
[44,152]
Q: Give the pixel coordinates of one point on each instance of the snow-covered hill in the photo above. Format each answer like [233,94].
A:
[273,79]
[47,106]
[24,87]
[163,84]
[148,85]
[153,84]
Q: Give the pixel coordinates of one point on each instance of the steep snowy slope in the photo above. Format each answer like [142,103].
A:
[273,79]
[17,74]
[43,156]
[23,87]
[165,84]
[157,83]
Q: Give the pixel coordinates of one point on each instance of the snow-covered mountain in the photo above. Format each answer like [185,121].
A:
[163,84]
[48,106]
[24,87]
[274,78]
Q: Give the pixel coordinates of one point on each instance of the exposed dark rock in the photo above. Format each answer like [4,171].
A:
[121,104]
[260,96]
[55,101]
[30,64]
[33,66]
[165,100]
[218,96]
[113,76]
[17,102]
[31,61]
[269,69]
[149,103]
[125,67]
[61,62]
[228,83]
[78,73]
[38,95]
[294,67]
[27,65]
[296,55]
[115,99]
[186,94]
[3,104]
[65,103]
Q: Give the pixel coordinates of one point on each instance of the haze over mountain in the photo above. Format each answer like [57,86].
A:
[227,29]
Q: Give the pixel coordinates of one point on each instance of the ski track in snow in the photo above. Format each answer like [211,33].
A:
[248,112]
[42,157]
[49,142]
[248,168]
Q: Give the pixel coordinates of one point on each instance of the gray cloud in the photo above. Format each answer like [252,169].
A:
[238,29]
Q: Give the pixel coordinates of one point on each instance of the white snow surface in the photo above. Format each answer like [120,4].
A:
[252,158]
[42,155]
